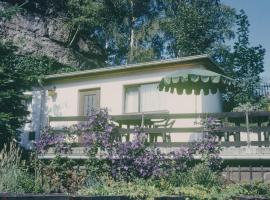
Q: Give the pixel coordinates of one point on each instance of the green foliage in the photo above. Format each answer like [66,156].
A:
[244,64]
[199,182]
[262,105]
[197,192]
[226,192]
[130,29]
[60,175]
[84,14]
[7,13]
[200,174]
[17,75]
[137,189]
[197,27]
[255,189]
[12,83]
[97,167]
[13,172]
[34,68]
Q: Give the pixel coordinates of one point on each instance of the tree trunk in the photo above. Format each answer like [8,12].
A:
[131,40]
[74,37]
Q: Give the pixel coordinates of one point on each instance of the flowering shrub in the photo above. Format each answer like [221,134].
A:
[180,160]
[211,125]
[130,159]
[49,139]
[97,132]
[136,158]
[209,149]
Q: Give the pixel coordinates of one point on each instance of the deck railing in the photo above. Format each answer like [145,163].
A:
[232,125]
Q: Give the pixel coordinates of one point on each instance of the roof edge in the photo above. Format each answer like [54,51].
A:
[131,66]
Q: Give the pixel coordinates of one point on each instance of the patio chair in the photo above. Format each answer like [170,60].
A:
[166,123]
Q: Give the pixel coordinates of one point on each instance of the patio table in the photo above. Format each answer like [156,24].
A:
[140,119]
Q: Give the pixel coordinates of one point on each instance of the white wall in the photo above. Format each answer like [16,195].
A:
[34,107]
[112,95]
[65,103]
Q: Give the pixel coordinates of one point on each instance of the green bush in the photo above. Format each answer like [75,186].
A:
[200,174]
[227,192]
[16,180]
[61,175]
[200,182]
[13,172]
[137,189]
[204,176]
[196,192]
[257,189]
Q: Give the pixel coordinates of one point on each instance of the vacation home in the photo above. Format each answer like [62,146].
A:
[127,89]
[150,95]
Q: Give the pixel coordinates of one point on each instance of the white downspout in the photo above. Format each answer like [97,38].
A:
[41,111]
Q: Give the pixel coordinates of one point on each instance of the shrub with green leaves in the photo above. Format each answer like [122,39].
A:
[61,175]
[137,189]
[200,175]
[13,172]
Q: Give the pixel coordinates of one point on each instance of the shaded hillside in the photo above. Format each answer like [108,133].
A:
[43,29]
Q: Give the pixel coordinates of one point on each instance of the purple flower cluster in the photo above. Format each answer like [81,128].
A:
[181,160]
[208,144]
[210,124]
[136,158]
[209,150]
[49,139]
[97,132]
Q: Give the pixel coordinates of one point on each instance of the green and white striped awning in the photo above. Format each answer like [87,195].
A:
[197,80]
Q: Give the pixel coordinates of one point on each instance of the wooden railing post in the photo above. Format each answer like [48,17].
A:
[259,135]
[142,123]
[225,133]
[250,174]
[239,173]
[247,126]
[237,135]
[262,173]
[228,177]
[266,138]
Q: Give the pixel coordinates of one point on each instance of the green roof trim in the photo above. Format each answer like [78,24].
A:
[146,65]
[197,80]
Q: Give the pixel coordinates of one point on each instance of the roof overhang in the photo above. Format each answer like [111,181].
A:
[184,61]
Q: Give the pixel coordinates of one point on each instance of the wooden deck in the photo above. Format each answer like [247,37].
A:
[232,126]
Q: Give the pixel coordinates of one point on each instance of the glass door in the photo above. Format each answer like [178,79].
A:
[89,101]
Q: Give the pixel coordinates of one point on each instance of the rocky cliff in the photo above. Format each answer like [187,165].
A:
[48,35]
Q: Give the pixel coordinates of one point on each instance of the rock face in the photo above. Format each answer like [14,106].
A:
[48,36]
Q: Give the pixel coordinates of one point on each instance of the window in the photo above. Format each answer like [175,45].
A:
[145,97]
[132,99]
[89,100]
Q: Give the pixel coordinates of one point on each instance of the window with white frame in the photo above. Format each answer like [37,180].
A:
[143,98]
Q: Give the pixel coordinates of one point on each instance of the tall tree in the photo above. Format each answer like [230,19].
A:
[12,84]
[195,27]
[129,29]
[245,64]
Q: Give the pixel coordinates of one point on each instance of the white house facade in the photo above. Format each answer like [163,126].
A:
[123,90]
